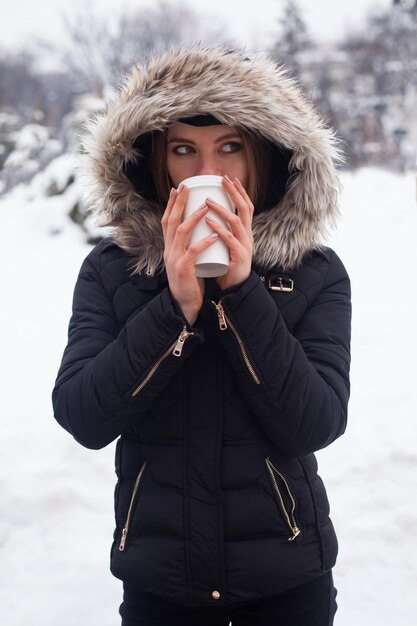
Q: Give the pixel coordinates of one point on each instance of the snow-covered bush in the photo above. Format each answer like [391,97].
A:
[10,122]
[33,149]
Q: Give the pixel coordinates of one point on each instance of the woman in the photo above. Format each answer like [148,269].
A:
[218,390]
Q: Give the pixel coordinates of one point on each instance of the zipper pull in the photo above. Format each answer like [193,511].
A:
[181,340]
[221,315]
[296,531]
[123,540]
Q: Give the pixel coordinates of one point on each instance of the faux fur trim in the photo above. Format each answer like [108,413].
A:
[248,93]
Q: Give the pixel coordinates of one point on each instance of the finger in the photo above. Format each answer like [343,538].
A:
[175,216]
[183,231]
[188,259]
[168,209]
[235,185]
[243,191]
[240,199]
[234,221]
[196,248]
[236,245]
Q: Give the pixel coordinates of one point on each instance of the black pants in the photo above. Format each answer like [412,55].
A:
[311,604]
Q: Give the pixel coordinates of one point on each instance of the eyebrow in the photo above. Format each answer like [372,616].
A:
[218,140]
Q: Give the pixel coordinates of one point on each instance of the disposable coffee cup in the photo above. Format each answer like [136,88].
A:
[214,261]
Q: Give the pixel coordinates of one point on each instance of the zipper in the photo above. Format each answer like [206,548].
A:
[289,515]
[130,510]
[175,349]
[224,323]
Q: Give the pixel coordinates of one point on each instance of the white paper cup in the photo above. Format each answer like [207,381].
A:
[215,260]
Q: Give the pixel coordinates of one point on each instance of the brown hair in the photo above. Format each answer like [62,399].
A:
[259,166]
[258,158]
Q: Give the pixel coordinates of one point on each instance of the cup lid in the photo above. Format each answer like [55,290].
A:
[203,179]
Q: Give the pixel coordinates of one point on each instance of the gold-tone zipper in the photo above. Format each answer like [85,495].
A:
[289,516]
[130,510]
[224,323]
[175,349]
[221,315]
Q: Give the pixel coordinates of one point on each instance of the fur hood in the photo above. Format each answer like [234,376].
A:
[252,94]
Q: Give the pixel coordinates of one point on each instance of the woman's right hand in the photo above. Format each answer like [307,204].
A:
[185,286]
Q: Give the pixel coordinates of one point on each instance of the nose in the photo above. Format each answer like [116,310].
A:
[209,165]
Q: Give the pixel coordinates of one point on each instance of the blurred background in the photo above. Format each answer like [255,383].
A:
[59,65]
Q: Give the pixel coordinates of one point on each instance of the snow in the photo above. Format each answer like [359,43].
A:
[370,473]
[56,519]
[33,149]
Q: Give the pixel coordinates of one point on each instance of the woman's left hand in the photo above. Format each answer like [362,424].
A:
[239,238]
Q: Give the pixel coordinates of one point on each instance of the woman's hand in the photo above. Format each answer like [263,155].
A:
[185,286]
[239,238]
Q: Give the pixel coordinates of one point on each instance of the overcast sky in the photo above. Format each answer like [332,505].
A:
[251,22]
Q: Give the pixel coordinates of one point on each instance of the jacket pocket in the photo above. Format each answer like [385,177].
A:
[133,500]
[175,349]
[224,323]
[285,498]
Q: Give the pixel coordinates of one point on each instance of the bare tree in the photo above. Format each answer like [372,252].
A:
[98,52]
[394,38]
[368,88]
[19,83]
[293,38]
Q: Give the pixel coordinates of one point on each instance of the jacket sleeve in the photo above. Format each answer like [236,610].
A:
[297,384]
[95,397]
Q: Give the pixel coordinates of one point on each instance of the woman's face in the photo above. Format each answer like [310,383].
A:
[196,150]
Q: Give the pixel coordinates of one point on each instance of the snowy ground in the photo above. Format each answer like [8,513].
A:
[56,516]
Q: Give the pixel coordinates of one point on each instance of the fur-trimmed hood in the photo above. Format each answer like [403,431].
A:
[248,93]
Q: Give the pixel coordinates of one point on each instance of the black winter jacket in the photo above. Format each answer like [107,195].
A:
[218,498]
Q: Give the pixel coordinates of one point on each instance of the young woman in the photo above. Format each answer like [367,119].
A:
[218,390]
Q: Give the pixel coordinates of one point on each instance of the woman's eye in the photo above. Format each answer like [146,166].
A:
[232,146]
[182,150]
